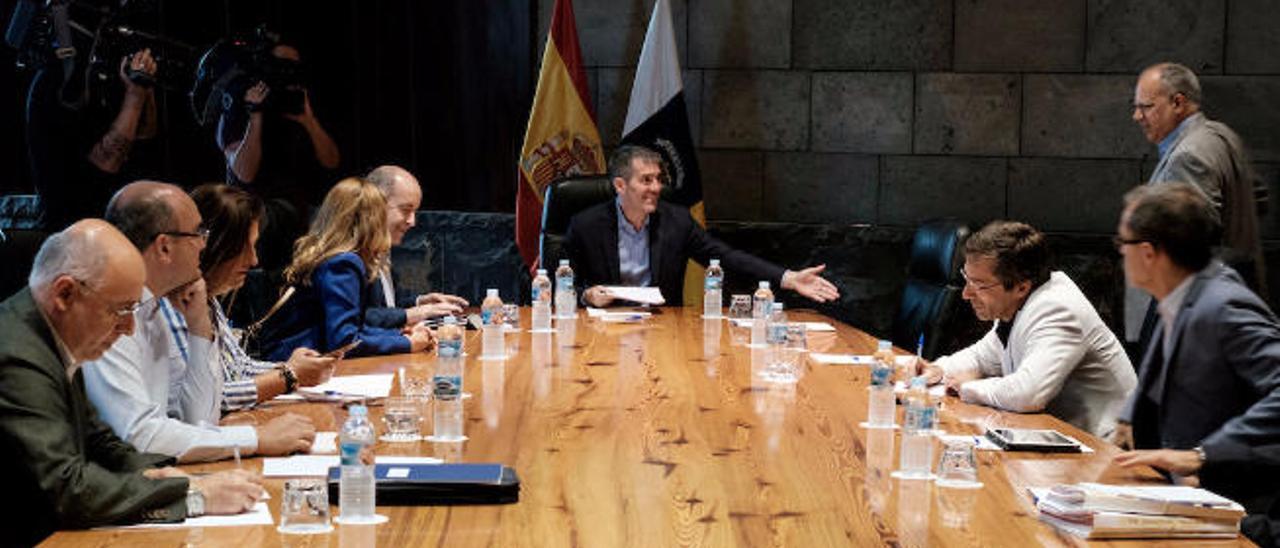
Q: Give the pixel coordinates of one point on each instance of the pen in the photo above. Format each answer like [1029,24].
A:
[236,451]
[920,346]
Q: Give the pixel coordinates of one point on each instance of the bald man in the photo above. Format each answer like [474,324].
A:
[161,387]
[64,468]
[404,196]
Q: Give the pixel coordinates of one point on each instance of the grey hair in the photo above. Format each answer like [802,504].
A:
[382,177]
[620,162]
[1177,79]
[62,253]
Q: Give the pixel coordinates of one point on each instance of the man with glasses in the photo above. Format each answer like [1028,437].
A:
[1048,350]
[1208,398]
[64,468]
[1208,154]
[639,240]
[161,387]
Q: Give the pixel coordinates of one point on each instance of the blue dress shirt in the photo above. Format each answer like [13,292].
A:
[633,250]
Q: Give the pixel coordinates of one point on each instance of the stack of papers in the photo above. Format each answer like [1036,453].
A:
[1093,510]
[642,295]
[260,515]
[841,359]
[618,316]
[346,387]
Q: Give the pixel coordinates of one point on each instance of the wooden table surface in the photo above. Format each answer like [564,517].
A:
[660,434]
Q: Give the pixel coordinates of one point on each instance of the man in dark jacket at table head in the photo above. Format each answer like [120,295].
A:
[639,240]
[66,469]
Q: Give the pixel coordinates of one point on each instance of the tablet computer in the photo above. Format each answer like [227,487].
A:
[1043,441]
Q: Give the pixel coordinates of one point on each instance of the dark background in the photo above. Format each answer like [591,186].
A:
[442,88]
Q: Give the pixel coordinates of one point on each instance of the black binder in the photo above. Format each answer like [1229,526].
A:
[439,484]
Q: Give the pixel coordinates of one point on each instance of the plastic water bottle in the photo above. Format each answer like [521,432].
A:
[776,336]
[491,316]
[880,405]
[355,484]
[566,296]
[917,433]
[446,384]
[540,294]
[761,304]
[711,293]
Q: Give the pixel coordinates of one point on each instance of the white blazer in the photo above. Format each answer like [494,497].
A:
[1061,359]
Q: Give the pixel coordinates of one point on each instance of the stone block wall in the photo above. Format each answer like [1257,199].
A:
[837,115]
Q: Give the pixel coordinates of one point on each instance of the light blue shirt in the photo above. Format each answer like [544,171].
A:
[1172,137]
[633,251]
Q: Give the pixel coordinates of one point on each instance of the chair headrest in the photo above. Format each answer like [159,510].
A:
[566,197]
[937,252]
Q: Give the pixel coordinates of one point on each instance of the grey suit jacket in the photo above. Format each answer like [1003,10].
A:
[1217,386]
[65,469]
[1211,156]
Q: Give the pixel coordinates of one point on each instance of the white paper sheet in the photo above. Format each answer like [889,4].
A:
[368,386]
[325,443]
[642,295]
[318,465]
[818,327]
[260,515]
[841,359]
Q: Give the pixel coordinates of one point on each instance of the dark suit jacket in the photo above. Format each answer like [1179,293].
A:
[1220,388]
[329,313]
[378,312]
[64,469]
[674,238]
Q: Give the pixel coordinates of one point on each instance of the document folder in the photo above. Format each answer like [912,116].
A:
[439,484]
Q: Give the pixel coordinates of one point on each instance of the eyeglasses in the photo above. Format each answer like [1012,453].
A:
[976,286]
[201,232]
[1121,242]
[122,311]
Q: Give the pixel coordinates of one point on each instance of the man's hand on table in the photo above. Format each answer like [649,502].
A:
[229,492]
[289,433]
[597,296]
[1183,462]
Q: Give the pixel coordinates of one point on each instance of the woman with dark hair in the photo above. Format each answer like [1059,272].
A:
[233,218]
[333,266]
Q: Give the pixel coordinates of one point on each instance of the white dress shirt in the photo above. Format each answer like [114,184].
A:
[162,395]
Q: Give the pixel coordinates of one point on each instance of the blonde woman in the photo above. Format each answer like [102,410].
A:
[332,266]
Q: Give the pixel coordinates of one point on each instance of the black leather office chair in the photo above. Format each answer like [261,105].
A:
[564,198]
[934,284]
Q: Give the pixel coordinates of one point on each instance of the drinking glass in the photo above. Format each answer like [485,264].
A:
[305,508]
[403,419]
[739,309]
[511,316]
[958,466]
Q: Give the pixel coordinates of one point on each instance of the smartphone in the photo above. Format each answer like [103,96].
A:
[343,350]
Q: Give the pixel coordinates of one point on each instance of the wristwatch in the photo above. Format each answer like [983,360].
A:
[290,379]
[1199,449]
[195,502]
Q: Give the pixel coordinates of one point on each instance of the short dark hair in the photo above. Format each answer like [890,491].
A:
[1020,252]
[228,213]
[1176,218]
[620,161]
[142,218]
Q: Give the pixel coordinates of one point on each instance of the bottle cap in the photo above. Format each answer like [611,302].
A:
[777,307]
[491,292]
[764,285]
[564,262]
[542,272]
[715,262]
[918,382]
[358,411]
[884,345]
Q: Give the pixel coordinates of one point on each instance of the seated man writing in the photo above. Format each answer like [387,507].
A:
[638,240]
[66,469]
[1048,350]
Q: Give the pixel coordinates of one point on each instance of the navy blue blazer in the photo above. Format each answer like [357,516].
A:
[377,313]
[1217,386]
[591,243]
[329,313]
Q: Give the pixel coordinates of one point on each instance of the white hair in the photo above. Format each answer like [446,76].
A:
[67,253]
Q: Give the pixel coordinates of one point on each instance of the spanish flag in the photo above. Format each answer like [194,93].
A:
[657,119]
[562,138]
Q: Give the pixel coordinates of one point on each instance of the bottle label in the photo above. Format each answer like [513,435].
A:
[565,283]
[351,453]
[880,374]
[536,293]
[450,348]
[446,386]
[712,283]
[487,317]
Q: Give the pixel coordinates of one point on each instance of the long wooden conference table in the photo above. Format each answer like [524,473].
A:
[662,434]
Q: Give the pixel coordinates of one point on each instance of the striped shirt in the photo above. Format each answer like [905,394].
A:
[239,391]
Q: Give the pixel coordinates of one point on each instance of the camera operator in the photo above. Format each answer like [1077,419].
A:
[79,149]
[276,148]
